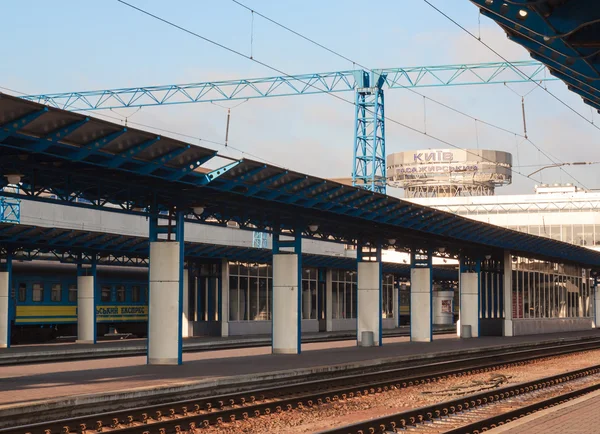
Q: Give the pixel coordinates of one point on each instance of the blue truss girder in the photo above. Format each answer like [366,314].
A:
[129,155]
[17,124]
[303,84]
[94,146]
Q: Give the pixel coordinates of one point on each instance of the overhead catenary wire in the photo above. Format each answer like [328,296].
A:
[231,50]
[354,63]
[529,78]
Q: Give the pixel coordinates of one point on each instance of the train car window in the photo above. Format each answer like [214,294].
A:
[135,293]
[120,292]
[56,292]
[37,293]
[22,292]
[72,292]
[105,293]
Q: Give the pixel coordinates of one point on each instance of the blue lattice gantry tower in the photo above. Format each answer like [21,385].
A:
[369,132]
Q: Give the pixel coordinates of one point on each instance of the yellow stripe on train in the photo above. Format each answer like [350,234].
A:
[50,314]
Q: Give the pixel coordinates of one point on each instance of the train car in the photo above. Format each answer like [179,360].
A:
[45,301]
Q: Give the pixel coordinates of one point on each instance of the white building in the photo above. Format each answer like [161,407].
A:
[560,212]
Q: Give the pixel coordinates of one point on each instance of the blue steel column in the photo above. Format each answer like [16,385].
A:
[10,314]
[152,237]
[179,237]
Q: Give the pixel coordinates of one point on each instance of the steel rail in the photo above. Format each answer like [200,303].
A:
[511,416]
[190,414]
[439,411]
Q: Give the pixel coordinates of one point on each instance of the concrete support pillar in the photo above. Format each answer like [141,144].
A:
[420,305]
[507,326]
[86,305]
[4,309]
[329,300]
[286,304]
[165,307]
[224,298]
[469,301]
[369,301]
[185,305]
[164,328]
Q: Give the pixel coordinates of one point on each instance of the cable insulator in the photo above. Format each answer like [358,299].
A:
[524,121]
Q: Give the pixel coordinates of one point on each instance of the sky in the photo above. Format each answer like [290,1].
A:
[74,45]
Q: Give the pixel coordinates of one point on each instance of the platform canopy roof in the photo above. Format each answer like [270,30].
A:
[66,157]
[79,246]
[562,34]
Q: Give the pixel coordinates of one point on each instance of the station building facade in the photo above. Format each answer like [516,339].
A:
[546,296]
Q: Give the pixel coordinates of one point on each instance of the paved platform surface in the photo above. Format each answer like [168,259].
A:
[189,342]
[64,351]
[580,416]
[25,383]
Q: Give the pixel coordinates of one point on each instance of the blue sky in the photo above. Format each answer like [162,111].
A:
[68,45]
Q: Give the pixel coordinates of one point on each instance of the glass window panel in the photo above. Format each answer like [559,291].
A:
[533,230]
[135,294]
[567,233]
[578,235]
[348,297]
[105,293]
[555,232]
[263,299]
[263,271]
[233,298]
[588,235]
[56,292]
[243,295]
[37,293]
[22,292]
[313,299]
[253,298]
[234,268]
[335,301]
[121,293]
[72,292]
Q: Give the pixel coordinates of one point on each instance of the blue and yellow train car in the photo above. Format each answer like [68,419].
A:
[45,301]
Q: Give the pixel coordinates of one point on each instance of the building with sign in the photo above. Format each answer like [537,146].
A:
[449,172]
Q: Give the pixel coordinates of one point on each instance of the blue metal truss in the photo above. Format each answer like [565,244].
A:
[10,207]
[369,168]
[259,240]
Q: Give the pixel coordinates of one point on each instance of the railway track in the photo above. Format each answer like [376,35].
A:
[190,415]
[477,413]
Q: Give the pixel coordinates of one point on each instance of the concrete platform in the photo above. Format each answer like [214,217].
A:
[579,416]
[54,387]
[63,351]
